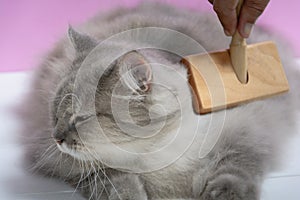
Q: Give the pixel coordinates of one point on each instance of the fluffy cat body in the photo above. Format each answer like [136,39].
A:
[223,155]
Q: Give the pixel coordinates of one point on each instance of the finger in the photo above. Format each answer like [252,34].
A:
[226,11]
[250,11]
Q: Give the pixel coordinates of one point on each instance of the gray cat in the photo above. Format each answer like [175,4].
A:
[127,130]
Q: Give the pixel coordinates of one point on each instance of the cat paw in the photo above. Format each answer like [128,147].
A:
[229,187]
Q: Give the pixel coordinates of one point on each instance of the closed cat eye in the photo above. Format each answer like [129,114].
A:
[82,118]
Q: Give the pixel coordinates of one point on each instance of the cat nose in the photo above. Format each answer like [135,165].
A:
[59,137]
[61,133]
[60,141]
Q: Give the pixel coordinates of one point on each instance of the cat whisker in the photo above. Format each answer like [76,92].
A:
[84,175]
[35,137]
[93,156]
[51,150]
[103,172]
[73,163]
[42,163]
[51,146]
[57,161]
[97,176]
[32,137]
[23,145]
[93,189]
[81,176]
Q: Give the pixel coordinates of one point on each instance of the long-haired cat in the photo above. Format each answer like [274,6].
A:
[121,125]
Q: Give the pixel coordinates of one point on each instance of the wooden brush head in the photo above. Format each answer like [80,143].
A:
[215,83]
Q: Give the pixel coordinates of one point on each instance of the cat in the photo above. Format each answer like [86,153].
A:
[127,129]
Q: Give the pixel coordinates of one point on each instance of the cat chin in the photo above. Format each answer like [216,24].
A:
[74,153]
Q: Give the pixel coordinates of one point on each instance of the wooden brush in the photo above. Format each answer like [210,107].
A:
[235,76]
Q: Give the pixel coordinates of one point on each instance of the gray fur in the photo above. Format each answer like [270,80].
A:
[247,150]
[81,42]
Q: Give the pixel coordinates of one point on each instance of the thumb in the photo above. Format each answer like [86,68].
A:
[250,11]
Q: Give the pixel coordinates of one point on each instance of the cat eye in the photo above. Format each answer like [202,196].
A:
[82,118]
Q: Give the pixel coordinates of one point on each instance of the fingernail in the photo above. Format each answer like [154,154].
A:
[248,29]
[227,32]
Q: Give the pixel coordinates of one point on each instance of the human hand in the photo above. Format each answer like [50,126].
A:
[250,11]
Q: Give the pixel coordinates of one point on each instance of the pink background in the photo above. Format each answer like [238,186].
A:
[29,28]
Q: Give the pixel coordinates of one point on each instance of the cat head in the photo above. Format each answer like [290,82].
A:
[136,103]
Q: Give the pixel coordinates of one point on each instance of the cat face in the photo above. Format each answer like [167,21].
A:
[126,112]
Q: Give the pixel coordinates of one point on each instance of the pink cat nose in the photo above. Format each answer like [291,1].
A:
[59,141]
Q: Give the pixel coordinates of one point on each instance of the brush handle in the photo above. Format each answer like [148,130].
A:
[238,52]
[237,39]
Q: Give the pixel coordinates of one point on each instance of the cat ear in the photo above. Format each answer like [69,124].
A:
[136,72]
[81,42]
